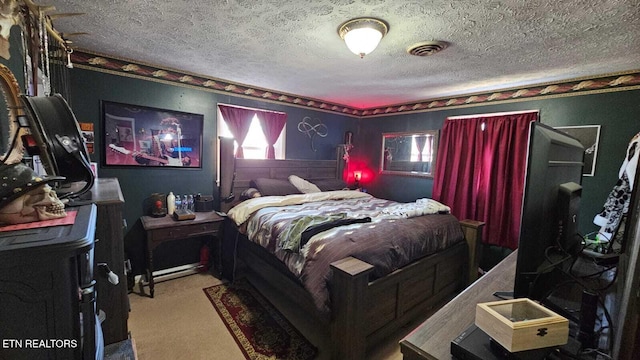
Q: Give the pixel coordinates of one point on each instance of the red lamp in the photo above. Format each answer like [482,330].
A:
[358,173]
[357,176]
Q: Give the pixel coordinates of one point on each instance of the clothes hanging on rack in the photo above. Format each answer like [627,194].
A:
[617,203]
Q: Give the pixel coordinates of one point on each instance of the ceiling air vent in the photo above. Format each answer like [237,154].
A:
[427,48]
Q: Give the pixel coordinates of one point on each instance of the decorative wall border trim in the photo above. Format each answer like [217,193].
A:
[140,70]
[605,83]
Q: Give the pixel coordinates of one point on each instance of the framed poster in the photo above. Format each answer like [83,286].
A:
[142,136]
[589,137]
[87,136]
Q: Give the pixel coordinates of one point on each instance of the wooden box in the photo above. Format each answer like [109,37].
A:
[521,324]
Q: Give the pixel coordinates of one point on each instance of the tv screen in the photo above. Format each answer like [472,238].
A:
[548,229]
[143,136]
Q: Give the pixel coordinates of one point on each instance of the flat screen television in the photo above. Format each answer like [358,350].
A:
[551,201]
[143,136]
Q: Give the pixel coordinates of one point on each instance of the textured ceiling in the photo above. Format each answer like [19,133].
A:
[293,46]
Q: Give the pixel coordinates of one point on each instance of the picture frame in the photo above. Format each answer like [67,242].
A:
[589,137]
[143,136]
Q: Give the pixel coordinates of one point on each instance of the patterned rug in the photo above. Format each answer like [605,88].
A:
[258,327]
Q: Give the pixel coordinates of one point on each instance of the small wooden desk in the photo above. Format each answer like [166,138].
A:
[432,339]
[165,228]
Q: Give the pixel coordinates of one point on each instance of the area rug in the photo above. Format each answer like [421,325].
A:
[260,330]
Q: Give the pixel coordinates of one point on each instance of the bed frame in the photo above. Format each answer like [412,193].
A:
[363,311]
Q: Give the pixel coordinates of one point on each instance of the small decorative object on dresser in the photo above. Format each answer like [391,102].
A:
[158,208]
[204,203]
[171,203]
[183,214]
[521,324]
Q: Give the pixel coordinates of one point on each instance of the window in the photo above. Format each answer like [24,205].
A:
[255,144]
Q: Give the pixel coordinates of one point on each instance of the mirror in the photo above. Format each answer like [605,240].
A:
[9,127]
[409,153]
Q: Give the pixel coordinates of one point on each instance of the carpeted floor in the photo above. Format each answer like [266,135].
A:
[180,323]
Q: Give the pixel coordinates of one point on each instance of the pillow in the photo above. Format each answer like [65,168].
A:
[330,184]
[250,193]
[303,185]
[274,187]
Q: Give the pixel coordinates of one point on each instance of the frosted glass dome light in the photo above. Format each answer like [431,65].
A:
[362,35]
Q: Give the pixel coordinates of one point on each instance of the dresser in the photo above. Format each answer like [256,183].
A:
[111,299]
[47,292]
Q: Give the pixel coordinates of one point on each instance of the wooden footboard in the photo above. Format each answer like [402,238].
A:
[365,312]
[472,230]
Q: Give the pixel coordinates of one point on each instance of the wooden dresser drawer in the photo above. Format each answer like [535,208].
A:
[181,232]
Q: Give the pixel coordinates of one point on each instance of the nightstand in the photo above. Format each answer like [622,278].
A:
[163,229]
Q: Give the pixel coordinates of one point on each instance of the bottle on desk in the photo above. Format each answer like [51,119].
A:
[178,203]
[189,203]
[171,203]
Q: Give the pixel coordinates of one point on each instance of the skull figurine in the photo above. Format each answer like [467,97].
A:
[26,196]
[41,203]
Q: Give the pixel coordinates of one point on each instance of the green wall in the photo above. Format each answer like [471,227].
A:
[618,113]
[89,87]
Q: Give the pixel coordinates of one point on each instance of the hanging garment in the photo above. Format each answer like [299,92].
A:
[617,203]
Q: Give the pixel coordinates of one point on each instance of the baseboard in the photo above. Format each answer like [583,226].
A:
[170,273]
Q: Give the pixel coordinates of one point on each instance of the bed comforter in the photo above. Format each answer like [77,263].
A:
[395,234]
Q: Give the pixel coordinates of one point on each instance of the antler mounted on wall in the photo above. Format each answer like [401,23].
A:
[9,16]
[45,49]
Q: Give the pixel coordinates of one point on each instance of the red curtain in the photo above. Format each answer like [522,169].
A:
[239,121]
[480,172]
[272,124]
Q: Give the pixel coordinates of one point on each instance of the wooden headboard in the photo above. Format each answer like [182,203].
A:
[236,174]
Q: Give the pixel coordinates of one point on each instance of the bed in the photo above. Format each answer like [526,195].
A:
[363,303]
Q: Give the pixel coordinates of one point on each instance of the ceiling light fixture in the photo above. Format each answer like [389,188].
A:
[362,35]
